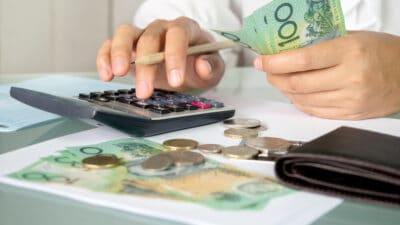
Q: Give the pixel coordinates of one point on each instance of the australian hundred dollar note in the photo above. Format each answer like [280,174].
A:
[284,25]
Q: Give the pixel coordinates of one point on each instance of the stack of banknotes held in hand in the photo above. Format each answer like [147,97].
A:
[289,24]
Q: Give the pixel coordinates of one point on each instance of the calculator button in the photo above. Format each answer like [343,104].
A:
[141,104]
[159,109]
[154,102]
[112,97]
[201,105]
[93,95]
[83,96]
[124,91]
[175,108]
[110,92]
[102,99]
[188,106]
[125,100]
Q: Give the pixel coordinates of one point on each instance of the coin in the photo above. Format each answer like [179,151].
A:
[158,162]
[186,158]
[239,152]
[259,128]
[210,148]
[101,162]
[240,133]
[180,144]
[268,144]
[242,123]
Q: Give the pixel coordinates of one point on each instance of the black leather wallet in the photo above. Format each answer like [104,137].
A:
[346,162]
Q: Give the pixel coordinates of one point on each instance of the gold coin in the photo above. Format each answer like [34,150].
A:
[240,133]
[186,158]
[210,148]
[239,152]
[268,144]
[101,162]
[242,123]
[180,144]
[158,162]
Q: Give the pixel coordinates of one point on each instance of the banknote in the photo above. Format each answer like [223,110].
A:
[283,25]
[211,184]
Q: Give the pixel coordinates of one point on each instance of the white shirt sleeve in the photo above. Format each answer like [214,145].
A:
[208,13]
[363,14]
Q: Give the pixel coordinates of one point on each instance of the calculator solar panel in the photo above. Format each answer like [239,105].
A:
[164,111]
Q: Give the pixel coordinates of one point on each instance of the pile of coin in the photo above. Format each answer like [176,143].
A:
[259,148]
[179,155]
[252,146]
[241,128]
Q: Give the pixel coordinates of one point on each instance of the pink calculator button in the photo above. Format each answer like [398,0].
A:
[201,105]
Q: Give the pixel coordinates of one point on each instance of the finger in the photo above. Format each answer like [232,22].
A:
[121,49]
[103,62]
[323,55]
[150,42]
[181,32]
[208,70]
[326,99]
[309,82]
[331,112]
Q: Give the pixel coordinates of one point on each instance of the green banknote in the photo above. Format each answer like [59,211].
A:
[212,184]
[283,25]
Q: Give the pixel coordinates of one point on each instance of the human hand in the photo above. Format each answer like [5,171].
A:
[179,70]
[354,77]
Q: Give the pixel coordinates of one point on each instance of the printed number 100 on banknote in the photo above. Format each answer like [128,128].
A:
[289,24]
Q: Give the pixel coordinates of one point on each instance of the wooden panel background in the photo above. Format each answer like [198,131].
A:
[57,35]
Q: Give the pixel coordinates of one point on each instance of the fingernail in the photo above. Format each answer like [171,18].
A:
[142,89]
[209,67]
[175,78]
[258,63]
[104,74]
[119,66]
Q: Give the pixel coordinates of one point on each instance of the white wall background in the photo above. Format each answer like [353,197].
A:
[57,35]
[64,35]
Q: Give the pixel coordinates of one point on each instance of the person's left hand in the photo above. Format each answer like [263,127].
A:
[353,77]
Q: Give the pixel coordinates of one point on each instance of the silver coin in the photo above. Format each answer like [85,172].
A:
[240,133]
[259,128]
[268,144]
[242,123]
[186,158]
[210,148]
[239,152]
[158,162]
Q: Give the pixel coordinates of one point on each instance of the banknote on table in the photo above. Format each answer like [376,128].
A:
[213,184]
[283,25]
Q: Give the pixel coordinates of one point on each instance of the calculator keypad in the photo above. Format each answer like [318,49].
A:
[161,102]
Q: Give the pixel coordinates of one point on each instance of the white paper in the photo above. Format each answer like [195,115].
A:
[284,210]
[282,120]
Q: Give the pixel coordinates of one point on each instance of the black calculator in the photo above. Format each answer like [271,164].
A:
[164,111]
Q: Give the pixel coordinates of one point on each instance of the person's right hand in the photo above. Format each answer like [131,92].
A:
[179,70]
